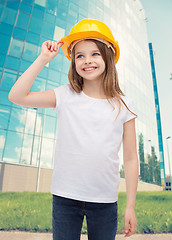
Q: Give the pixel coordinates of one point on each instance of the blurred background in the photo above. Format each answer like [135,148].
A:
[28,135]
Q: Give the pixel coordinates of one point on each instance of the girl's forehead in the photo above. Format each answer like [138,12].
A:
[85,45]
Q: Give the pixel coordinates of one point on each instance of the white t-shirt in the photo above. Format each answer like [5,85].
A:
[86,165]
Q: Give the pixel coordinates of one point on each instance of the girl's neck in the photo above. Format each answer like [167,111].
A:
[94,89]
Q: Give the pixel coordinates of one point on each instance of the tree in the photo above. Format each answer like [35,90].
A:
[141,156]
[122,174]
[156,167]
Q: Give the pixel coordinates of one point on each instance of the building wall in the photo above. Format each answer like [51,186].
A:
[20,178]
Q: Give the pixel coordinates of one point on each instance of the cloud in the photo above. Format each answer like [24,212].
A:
[2,141]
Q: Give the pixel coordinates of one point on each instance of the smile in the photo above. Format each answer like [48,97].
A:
[89,68]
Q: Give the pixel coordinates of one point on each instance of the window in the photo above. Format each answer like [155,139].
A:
[9,16]
[4,98]
[33,38]
[49,127]
[26,149]
[54,76]
[4,41]
[13,147]
[8,79]
[16,48]
[30,121]
[23,20]
[35,25]
[17,120]
[47,152]
[6,29]
[41,2]
[12,62]
[38,85]
[25,8]
[2,141]
[58,33]
[30,52]
[4,116]
[48,30]
[19,33]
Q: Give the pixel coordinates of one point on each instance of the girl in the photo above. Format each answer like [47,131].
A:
[94,117]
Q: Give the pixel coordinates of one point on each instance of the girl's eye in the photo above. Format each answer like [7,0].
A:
[79,56]
[96,54]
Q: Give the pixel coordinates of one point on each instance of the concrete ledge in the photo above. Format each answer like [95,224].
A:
[142,186]
[20,178]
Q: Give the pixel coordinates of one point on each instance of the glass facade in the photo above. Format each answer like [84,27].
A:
[28,135]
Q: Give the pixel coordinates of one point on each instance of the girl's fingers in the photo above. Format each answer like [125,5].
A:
[52,46]
[49,44]
[55,45]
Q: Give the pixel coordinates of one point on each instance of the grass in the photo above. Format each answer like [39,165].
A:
[33,212]
[153,212]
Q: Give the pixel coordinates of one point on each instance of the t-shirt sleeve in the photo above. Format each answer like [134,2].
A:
[131,106]
[60,93]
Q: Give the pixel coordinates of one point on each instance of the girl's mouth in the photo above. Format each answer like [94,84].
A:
[89,69]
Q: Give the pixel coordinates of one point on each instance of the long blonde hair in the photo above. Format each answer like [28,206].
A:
[110,81]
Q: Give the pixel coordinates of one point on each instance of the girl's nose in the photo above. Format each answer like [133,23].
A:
[88,60]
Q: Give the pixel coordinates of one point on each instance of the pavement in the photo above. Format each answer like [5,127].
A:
[14,235]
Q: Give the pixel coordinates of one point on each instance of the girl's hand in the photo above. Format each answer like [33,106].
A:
[50,49]
[130,219]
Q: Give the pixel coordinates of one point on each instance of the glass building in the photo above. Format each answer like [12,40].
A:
[27,135]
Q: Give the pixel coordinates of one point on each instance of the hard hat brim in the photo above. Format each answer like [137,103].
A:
[67,40]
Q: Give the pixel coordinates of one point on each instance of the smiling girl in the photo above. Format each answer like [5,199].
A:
[94,118]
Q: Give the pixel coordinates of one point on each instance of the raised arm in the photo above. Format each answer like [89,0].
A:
[131,168]
[19,93]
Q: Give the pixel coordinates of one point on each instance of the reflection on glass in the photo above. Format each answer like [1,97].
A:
[38,12]
[4,98]
[19,33]
[4,116]
[25,8]
[39,123]
[2,142]
[41,2]
[12,62]
[49,127]
[30,52]
[48,30]
[51,85]
[17,120]
[38,85]
[33,38]
[47,152]
[30,121]
[4,41]
[54,75]
[23,20]
[13,147]
[26,149]
[35,151]
[9,16]
[35,25]
[8,79]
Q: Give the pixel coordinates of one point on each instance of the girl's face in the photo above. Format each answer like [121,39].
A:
[88,60]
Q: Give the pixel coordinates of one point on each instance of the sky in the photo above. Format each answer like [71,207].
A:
[159,30]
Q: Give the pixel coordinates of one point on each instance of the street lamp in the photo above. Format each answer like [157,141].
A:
[169,158]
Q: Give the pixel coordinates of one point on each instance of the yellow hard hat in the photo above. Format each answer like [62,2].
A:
[89,29]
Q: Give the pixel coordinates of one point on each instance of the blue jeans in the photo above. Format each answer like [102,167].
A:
[68,215]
